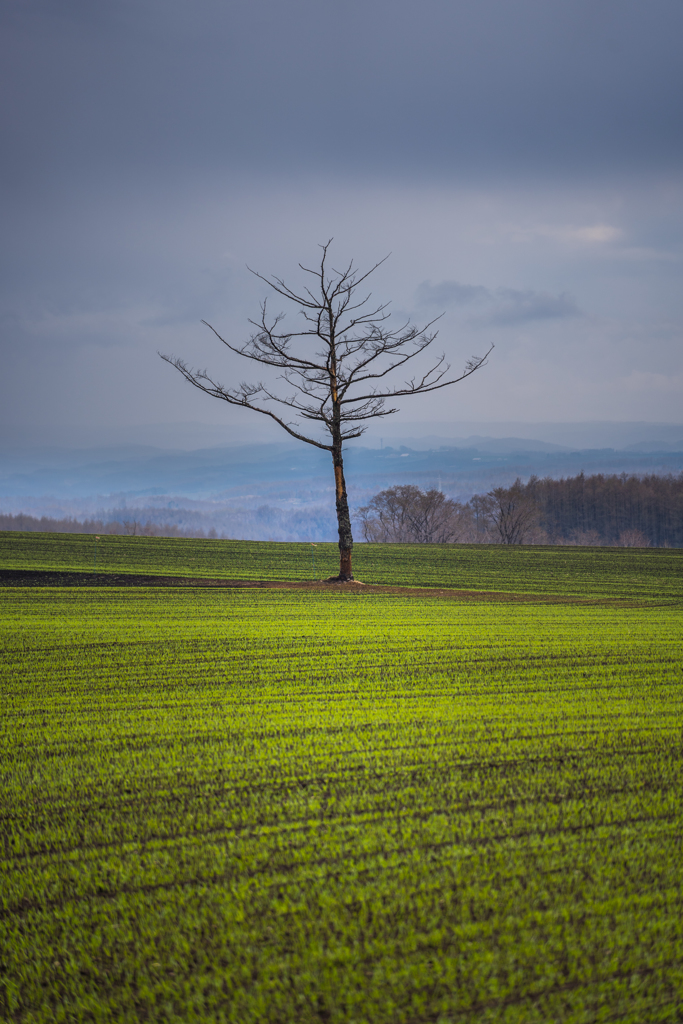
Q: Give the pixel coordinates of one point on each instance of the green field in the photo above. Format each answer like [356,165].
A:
[343,806]
[617,572]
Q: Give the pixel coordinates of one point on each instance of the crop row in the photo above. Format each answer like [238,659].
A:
[613,572]
[301,806]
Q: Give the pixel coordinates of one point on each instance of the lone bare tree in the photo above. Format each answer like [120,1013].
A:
[334,366]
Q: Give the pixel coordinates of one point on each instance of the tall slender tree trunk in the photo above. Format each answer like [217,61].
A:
[343,516]
[341,499]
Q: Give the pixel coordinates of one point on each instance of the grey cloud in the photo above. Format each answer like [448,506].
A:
[504,306]
[444,86]
[146,140]
[447,293]
[518,307]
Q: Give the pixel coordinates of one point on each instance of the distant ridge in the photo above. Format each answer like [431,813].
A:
[477,442]
[192,436]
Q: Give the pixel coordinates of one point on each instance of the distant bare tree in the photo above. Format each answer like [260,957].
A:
[633,539]
[334,366]
[580,538]
[482,521]
[511,513]
[405,514]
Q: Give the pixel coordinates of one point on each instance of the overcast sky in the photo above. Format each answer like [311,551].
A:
[521,161]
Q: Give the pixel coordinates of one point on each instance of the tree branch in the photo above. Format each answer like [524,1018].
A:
[424,387]
[237,398]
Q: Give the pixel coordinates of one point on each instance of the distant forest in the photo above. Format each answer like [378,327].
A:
[114,527]
[264,523]
[627,511]
[602,509]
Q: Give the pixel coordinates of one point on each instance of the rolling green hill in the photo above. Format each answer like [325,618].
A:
[639,573]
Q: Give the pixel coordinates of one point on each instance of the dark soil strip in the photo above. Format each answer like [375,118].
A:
[54,578]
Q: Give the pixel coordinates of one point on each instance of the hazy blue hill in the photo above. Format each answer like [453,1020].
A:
[287,474]
[651,446]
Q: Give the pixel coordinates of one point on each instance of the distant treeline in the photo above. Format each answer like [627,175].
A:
[132,527]
[602,509]
[628,511]
[264,523]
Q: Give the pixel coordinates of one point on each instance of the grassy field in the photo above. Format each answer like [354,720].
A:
[338,806]
[654,573]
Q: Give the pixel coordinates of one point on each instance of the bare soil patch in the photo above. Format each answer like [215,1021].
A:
[54,578]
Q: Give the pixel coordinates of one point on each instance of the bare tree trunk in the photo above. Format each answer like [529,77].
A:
[343,516]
